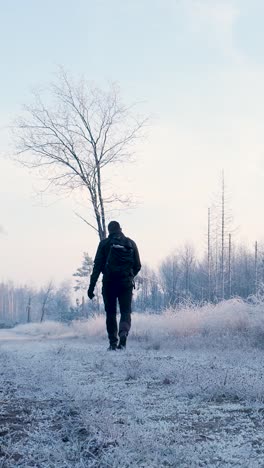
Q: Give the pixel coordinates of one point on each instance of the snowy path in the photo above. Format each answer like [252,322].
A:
[69,403]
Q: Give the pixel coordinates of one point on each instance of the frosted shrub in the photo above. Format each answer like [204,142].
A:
[232,323]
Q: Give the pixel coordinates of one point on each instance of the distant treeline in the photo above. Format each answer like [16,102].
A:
[25,304]
[181,277]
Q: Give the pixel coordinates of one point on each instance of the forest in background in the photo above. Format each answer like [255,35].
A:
[180,278]
[73,134]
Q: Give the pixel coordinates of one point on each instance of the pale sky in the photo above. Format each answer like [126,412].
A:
[197,67]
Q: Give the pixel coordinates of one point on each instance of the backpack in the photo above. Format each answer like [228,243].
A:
[120,259]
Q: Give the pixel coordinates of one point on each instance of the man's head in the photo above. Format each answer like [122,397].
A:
[114,227]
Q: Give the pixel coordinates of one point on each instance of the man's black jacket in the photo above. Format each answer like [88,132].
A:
[102,254]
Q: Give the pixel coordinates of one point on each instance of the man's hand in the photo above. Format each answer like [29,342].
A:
[90,292]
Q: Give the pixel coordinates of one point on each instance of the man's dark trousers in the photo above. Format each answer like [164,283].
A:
[113,292]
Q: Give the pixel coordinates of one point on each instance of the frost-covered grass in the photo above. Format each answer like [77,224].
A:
[229,324]
[187,392]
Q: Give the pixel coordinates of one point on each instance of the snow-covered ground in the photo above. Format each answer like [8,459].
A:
[187,392]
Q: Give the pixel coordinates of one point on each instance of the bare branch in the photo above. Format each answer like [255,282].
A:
[86,222]
[74,138]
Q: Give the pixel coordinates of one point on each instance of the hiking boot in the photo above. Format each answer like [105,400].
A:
[122,342]
[112,347]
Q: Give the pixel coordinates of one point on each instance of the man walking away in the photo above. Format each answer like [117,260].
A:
[118,259]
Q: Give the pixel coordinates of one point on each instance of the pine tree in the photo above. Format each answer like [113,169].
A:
[83,273]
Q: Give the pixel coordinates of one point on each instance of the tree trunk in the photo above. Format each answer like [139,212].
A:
[209,254]
[230,266]
[256,267]
[28,310]
[223,240]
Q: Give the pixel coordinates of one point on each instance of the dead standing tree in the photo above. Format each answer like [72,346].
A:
[76,137]
[220,222]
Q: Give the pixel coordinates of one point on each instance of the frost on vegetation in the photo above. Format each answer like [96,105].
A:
[188,391]
[231,324]
[233,316]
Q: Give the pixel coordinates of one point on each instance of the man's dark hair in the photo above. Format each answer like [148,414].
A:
[113,227]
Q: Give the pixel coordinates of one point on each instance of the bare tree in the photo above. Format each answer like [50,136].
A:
[230,265]
[28,310]
[256,268]
[223,234]
[220,221]
[46,297]
[209,254]
[170,274]
[187,261]
[75,137]
[148,289]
